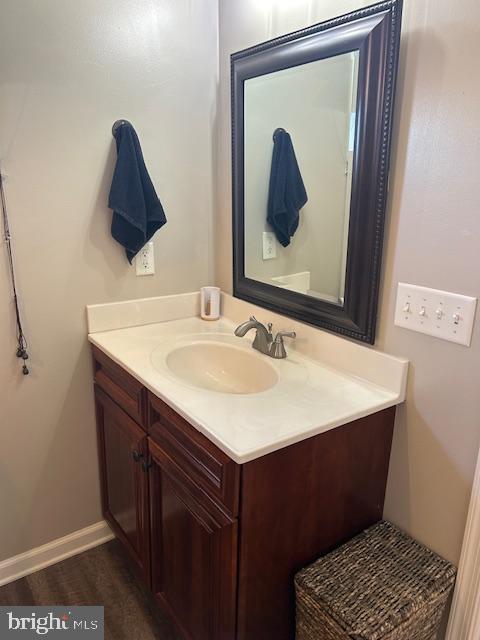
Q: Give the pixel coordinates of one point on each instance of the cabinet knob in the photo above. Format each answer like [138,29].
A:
[136,456]
[146,465]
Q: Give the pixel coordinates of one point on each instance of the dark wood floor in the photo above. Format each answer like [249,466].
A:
[100,576]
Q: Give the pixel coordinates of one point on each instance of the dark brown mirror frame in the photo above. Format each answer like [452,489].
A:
[375,32]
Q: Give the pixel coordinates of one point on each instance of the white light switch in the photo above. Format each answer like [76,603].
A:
[145,261]
[448,316]
[269,245]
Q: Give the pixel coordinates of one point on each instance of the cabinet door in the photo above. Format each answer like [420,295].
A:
[124,479]
[194,553]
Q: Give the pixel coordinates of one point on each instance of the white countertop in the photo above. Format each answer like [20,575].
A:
[309,398]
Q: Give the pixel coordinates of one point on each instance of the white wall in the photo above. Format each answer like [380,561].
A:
[67,71]
[432,238]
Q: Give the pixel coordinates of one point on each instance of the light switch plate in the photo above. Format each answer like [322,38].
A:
[445,315]
[269,245]
[145,261]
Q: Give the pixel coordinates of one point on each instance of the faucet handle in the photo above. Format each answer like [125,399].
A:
[285,334]
[277,348]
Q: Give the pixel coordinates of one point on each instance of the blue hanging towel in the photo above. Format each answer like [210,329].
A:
[137,210]
[286,194]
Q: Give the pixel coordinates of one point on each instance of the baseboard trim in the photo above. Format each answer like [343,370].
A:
[26,563]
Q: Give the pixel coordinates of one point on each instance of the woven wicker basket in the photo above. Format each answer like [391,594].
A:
[382,585]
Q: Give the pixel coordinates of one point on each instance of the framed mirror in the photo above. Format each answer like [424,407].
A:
[311,121]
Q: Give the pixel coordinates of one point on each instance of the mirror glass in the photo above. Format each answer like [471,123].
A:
[299,135]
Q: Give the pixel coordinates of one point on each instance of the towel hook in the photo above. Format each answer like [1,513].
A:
[119,123]
[278,130]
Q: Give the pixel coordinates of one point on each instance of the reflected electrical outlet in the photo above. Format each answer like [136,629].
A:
[269,245]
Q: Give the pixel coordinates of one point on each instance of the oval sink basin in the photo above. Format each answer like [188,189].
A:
[222,368]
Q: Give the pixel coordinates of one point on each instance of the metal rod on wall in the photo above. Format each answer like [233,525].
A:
[21,340]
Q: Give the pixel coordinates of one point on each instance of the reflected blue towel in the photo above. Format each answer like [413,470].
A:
[137,210]
[286,194]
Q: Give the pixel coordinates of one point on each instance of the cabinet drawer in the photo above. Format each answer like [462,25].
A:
[127,392]
[191,453]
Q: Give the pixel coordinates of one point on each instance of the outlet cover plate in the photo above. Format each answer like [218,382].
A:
[269,246]
[145,261]
[445,315]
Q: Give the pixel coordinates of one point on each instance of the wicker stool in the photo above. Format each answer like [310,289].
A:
[382,585]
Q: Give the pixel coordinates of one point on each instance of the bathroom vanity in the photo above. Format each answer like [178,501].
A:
[223,470]
[218,495]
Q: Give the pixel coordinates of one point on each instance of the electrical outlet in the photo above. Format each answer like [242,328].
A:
[448,316]
[145,261]
[269,245]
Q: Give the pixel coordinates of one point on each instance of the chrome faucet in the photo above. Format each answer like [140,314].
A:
[264,341]
[263,337]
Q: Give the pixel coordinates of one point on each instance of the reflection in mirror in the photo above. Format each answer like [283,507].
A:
[298,181]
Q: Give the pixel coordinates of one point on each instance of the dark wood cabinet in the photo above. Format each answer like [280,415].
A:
[219,543]
[123,451]
[299,503]
[194,553]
